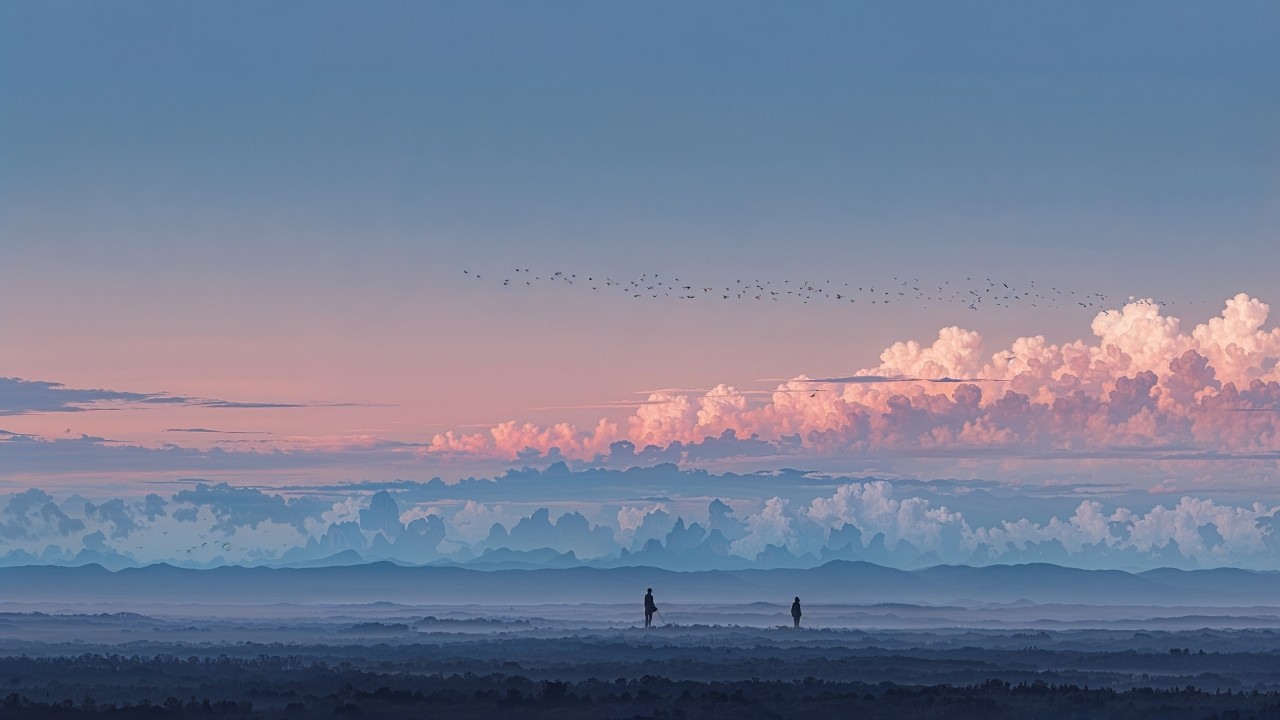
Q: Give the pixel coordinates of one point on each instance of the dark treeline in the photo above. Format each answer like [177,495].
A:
[168,686]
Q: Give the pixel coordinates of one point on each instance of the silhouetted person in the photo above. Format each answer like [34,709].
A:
[795,612]
[649,608]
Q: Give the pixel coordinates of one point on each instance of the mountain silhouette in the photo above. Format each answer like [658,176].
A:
[839,581]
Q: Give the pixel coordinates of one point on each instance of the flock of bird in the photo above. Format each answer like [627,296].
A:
[224,546]
[972,293]
[217,545]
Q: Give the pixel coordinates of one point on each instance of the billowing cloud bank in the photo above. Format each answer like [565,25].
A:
[1142,384]
[498,523]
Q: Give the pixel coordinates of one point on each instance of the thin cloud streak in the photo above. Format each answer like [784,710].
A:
[217,432]
[33,397]
[602,405]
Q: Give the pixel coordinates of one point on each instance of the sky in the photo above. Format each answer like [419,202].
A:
[290,245]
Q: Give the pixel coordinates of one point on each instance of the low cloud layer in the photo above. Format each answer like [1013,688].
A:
[499,522]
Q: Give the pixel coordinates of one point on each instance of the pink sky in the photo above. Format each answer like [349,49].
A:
[1140,381]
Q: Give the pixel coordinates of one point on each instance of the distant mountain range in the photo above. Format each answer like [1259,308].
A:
[837,581]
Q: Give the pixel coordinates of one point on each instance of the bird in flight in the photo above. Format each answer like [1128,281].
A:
[972,293]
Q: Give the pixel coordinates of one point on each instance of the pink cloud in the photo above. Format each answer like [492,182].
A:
[509,439]
[1142,380]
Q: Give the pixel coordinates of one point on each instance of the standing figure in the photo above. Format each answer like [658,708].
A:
[649,608]
[795,612]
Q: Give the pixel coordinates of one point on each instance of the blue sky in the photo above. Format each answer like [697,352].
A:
[1012,138]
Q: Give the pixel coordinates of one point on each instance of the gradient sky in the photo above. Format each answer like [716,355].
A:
[274,204]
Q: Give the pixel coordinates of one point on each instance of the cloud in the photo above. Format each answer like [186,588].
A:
[10,435]
[270,405]
[872,379]
[235,507]
[1143,384]
[630,518]
[33,514]
[637,526]
[1089,525]
[217,432]
[1145,399]
[872,508]
[113,513]
[472,523]
[25,397]
[87,455]
[1238,530]
[806,518]
[31,397]
[512,439]
[603,405]
[850,380]
[771,526]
